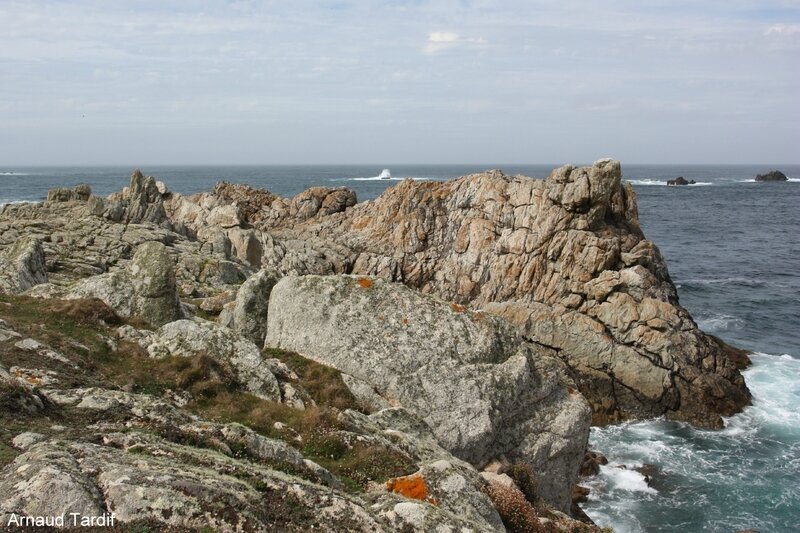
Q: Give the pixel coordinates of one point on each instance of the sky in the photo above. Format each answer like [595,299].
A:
[399,81]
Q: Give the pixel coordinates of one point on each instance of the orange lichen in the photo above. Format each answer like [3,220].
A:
[412,486]
[458,308]
[365,283]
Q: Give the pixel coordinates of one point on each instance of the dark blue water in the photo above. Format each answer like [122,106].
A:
[733,250]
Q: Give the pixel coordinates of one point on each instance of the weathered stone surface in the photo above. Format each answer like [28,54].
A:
[143,476]
[22,266]
[80,193]
[25,440]
[47,481]
[484,391]
[7,333]
[144,201]
[140,406]
[146,288]
[194,492]
[252,301]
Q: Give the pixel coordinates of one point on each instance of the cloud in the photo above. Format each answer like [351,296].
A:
[782,30]
[432,69]
[442,40]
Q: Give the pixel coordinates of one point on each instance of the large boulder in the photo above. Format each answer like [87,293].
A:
[22,266]
[249,317]
[483,390]
[145,288]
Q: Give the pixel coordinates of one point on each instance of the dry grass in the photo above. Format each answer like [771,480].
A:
[323,383]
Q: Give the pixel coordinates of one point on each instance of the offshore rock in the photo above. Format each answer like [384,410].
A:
[22,266]
[146,288]
[774,175]
[484,391]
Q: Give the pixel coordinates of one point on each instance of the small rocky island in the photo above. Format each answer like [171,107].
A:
[680,180]
[773,175]
[431,360]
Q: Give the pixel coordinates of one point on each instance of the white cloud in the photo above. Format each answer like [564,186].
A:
[432,67]
[782,29]
[442,40]
[443,37]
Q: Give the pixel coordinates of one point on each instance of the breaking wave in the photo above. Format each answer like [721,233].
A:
[737,478]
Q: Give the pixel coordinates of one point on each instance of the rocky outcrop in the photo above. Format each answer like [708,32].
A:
[80,193]
[773,175]
[139,203]
[22,265]
[680,180]
[564,259]
[146,288]
[484,391]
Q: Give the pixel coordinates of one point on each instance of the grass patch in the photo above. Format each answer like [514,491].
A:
[323,438]
[7,454]
[323,383]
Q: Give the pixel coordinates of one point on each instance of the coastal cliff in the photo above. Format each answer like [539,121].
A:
[562,258]
[417,361]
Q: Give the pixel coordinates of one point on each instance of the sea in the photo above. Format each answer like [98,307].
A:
[732,246]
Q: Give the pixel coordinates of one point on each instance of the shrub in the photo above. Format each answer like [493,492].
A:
[525,479]
[517,513]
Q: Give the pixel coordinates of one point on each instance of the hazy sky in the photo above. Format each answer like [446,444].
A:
[671,81]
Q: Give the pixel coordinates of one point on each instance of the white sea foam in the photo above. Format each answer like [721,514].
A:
[622,477]
[748,464]
[14,174]
[774,382]
[720,323]
[737,280]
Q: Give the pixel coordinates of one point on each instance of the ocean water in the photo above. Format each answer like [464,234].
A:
[733,251]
